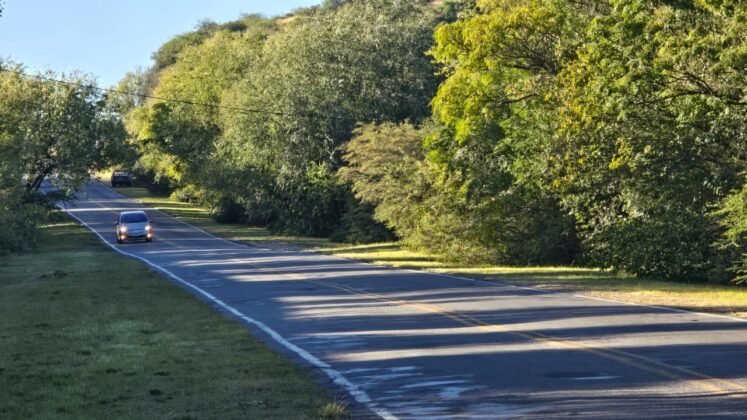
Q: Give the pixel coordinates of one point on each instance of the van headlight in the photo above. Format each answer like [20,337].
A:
[123,229]
[148,228]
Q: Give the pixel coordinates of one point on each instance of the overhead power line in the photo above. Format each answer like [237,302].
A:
[248,111]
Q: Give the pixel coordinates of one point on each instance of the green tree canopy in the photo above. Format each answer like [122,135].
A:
[59,132]
[629,113]
[58,129]
[325,71]
[608,132]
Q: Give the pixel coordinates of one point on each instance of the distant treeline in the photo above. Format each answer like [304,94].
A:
[610,133]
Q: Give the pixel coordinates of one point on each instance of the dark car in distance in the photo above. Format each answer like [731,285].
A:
[121,178]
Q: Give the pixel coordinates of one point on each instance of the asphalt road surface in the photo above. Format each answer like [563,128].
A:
[408,344]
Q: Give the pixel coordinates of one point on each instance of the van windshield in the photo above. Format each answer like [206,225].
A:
[134,218]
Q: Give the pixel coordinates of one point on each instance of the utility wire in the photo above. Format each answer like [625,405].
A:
[248,111]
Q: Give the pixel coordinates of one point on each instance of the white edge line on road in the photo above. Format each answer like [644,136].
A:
[338,378]
[486,282]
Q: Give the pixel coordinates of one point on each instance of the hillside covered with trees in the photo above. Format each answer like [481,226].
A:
[609,133]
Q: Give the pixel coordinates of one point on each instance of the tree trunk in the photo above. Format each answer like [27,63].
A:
[34,186]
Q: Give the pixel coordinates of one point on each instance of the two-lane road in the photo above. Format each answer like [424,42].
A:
[410,344]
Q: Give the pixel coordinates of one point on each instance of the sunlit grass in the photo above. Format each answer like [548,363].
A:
[79,339]
[721,299]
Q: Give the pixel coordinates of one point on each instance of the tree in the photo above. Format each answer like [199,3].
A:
[627,114]
[177,139]
[500,60]
[325,71]
[386,166]
[46,129]
[651,134]
[131,92]
[168,54]
[54,128]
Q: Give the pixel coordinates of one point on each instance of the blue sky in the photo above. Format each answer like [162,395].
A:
[108,38]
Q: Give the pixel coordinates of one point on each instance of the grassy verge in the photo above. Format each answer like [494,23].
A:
[81,340]
[730,300]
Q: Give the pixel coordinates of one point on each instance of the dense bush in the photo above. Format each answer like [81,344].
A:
[677,246]
[310,203]
[358,226]
[150,180]
[228,211]
[385,165]
[732,217]
[387,168]
[20,215]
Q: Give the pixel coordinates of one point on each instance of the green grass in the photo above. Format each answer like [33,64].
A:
[730,300]
[87,333]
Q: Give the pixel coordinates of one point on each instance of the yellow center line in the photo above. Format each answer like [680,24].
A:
[704,382]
